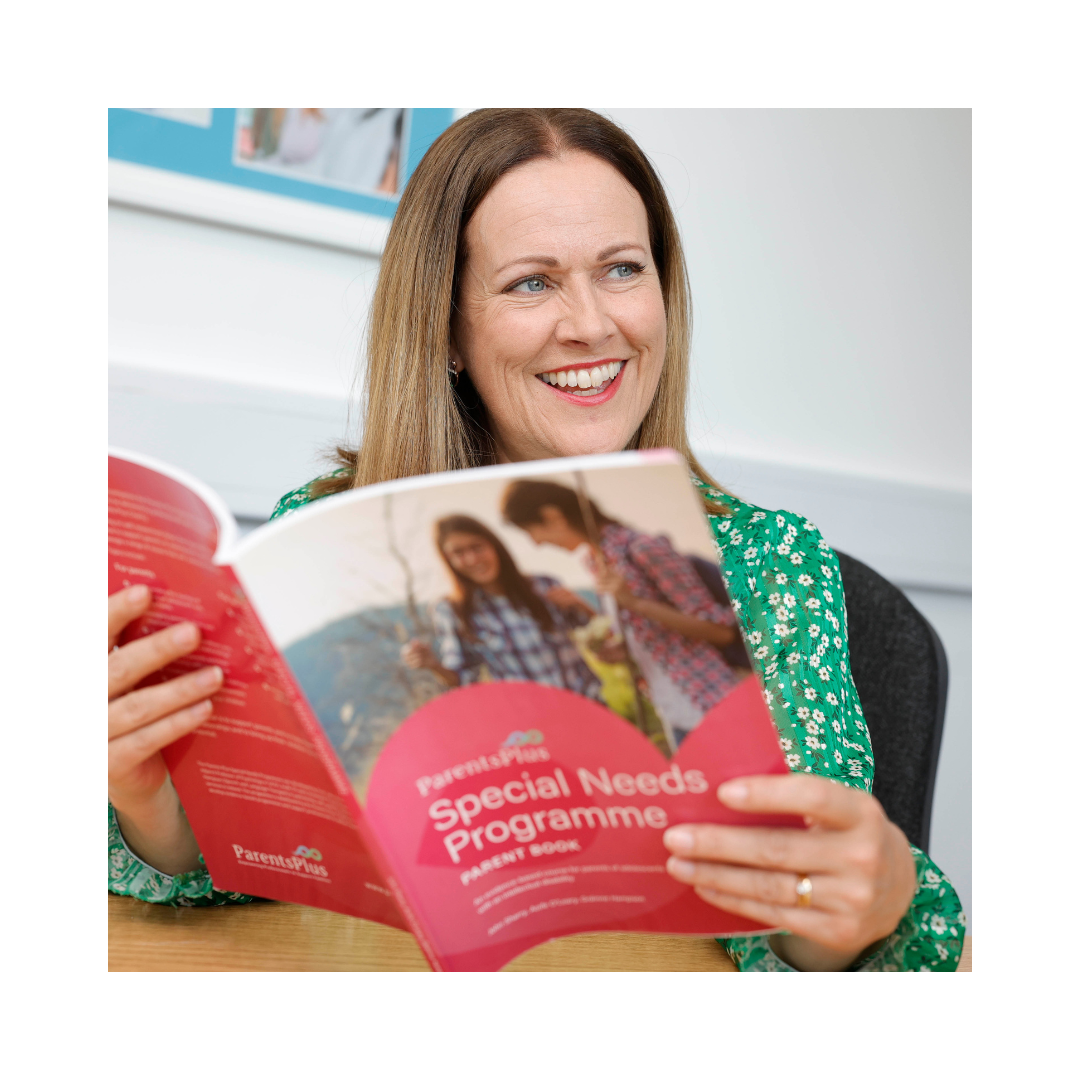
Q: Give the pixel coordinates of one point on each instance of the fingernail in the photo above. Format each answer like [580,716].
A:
[679,840]
[680,868]
[733,792]
[209,677]
[184,634]
[137,594]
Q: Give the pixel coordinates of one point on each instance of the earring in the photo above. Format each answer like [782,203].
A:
[452,370]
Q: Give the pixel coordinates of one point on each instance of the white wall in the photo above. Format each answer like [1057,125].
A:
[829,255]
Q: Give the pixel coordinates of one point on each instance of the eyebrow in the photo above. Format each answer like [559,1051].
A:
[550,260]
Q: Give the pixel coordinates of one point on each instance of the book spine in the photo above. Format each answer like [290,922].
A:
[329,759]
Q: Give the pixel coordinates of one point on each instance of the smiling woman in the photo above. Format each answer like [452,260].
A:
[532,303]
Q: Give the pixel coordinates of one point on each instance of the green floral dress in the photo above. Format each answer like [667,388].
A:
[784,582]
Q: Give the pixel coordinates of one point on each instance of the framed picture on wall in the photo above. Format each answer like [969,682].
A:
[329,176]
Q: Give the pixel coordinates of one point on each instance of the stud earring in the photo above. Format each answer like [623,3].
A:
[452,370]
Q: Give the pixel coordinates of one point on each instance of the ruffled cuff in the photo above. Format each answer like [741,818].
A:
[130,876]
[930,936]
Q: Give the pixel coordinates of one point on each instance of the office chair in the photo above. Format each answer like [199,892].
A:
[902,675]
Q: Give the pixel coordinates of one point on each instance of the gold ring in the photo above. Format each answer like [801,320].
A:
[804,892]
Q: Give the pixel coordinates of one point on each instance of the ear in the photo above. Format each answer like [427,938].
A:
[457,358]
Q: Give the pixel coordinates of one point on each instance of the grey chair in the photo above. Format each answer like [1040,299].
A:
[902,675]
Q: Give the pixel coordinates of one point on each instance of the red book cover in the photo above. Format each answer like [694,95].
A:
[467,705]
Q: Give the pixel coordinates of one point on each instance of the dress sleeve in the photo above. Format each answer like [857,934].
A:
[130,876]
[785,585]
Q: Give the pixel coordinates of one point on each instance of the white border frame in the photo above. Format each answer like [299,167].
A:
[259,211]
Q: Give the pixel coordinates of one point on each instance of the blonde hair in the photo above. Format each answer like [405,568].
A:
[415,421]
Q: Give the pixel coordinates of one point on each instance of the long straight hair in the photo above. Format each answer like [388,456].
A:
[414,420]
[515,585]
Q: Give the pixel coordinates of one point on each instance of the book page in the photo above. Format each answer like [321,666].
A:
[259,787]
[528,673]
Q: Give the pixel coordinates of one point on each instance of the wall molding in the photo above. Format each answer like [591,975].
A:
[244,208]
[251,444]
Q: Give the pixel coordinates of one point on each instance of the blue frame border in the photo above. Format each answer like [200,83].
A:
[208,153]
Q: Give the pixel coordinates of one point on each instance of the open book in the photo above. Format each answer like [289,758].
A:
[467,705]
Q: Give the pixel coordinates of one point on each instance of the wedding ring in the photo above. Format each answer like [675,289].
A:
[804,892]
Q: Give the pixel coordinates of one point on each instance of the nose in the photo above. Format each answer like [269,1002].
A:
[585,322]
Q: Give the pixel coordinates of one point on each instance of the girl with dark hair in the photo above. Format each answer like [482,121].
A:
[499,624]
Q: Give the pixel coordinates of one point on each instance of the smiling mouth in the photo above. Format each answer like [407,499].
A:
[584,381]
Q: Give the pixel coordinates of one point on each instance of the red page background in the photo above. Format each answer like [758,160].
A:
[269,805]
[480,916]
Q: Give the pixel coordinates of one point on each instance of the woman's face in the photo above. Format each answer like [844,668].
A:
[472,557]
[561,321]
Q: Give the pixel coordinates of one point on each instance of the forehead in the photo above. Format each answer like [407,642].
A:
[463,540]
[562,206]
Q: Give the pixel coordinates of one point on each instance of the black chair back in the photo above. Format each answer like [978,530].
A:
[900,670]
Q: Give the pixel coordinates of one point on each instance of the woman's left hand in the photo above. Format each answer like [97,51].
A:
[611,582]
[858,862]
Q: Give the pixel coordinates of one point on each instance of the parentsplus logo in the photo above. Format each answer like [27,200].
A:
[302,862]
[532,737]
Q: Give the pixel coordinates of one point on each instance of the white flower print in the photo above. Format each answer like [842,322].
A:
[762,652]
[819,715]
[827,572]
[783,549]
[836,640]
[751,552]
[758,515]
[802,712]
[786,744]
[814,661]
[789,600]
[812,727]
[836,727]
[805,579]
[781,579]
[822,546]
[793,760]
[755,638]
[938,925]
[827,595]
[796,559]
[811,694]
[813,743]
[780,520]
[813,603]
[814,630]
[775,598]
[839,757]
[830,697]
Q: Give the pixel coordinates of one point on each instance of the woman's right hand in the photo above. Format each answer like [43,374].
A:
[142,722]
[418,654]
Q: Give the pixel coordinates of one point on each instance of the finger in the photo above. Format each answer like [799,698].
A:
[833,931]
[775,887]
[131,663]
[814,797]
[794,850]
[129,751]
[141,707]
[126,606]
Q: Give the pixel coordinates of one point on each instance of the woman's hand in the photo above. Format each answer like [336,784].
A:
[858,862]
[419,655]
[141,722]
[614,584]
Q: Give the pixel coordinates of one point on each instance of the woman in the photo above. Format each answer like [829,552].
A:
[532,303]
[500,624]
[673,624]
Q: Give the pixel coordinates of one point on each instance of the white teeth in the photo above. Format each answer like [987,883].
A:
[585,378]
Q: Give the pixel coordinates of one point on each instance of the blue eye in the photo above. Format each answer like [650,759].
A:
[625,271]
[531,286]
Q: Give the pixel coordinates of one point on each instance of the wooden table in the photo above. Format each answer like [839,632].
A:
[288,937]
